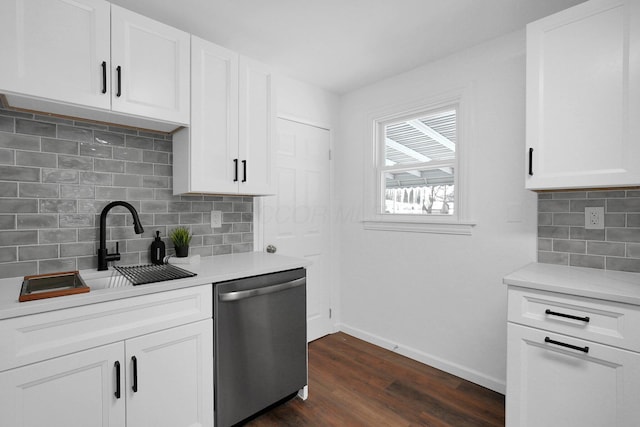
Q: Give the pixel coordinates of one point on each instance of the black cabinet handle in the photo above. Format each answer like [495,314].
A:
[104,76]
[119,72]
[531,161]
[244,169]
[134,387]
[235,162]
[568,316]
[117,366]
[563,344]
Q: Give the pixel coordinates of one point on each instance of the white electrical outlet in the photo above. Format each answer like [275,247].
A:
[216,219]
[594,218]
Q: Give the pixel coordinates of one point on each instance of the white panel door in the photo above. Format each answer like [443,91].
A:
[297,218]
[150,67]
[77,390]
[55,49]
[552,385]
[172,372]
[257,119]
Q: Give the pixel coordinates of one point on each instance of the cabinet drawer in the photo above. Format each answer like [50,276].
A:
[601,321]
[30,339]
[586,385]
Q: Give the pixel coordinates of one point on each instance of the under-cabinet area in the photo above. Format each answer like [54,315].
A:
[573,347]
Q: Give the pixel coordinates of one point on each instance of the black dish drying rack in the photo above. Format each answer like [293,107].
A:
[152,273]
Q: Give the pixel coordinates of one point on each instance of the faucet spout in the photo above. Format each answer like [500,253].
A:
[103,256]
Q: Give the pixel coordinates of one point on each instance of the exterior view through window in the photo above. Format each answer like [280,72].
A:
[418,175]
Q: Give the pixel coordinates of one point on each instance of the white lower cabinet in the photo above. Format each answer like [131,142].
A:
[137,362]
[172,372]
[563,379]
[76,390]
[549,384]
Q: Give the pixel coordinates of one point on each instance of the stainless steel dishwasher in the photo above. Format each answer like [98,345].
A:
[260,343]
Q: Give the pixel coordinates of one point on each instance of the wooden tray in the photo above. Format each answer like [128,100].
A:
[52,285]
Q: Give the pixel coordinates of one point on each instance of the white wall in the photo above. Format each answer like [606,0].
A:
[440,298]
[306,103]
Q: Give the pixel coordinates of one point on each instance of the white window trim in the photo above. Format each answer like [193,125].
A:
[460,223]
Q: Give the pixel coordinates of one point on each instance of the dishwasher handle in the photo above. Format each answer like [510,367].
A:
[238,295]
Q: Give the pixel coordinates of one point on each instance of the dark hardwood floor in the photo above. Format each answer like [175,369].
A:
[354,383]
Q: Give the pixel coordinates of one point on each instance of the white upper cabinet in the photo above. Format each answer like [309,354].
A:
[56,49]
[204,154]
[150,66]
[91,59]
[228,147]
[257,121]
[583,97]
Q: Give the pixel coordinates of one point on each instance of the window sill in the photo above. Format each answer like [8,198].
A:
[436,227]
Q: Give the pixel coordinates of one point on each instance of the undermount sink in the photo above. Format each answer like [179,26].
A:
[105,280]
[125,276]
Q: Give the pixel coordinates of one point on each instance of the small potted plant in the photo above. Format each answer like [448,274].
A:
[181,237]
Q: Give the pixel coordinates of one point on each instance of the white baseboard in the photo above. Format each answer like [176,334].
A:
[451,368]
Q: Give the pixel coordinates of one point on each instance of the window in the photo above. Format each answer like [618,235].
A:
[417,170]
[417,167]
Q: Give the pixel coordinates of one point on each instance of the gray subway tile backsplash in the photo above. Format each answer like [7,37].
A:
[589,261]
[56,175]
[563,239]
[19,173]
[606,248]
[6,124]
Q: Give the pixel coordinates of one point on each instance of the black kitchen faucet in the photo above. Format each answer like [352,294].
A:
[103,256]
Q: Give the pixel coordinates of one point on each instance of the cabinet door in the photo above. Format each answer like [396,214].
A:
[582,93]
[205,154]
[551,385]
[173,374]
[77,390]
[257,121]
[55,49]
[150,67]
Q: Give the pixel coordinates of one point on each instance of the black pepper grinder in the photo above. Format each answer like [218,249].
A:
[157,250]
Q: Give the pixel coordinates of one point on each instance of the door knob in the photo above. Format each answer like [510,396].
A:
[271,249]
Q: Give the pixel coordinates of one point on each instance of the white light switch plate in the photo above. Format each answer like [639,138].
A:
[216,219]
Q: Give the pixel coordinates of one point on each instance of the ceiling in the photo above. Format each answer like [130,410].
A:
[342,45]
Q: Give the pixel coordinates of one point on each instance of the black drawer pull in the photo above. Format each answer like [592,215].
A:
[235,162]
[584,349]
[117,366]
[244,168]
[104,77]
[568,316]
[531,161]
[134,387]
[119,72]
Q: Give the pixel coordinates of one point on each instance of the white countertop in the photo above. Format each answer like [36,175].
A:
[210,270]
[618,286]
